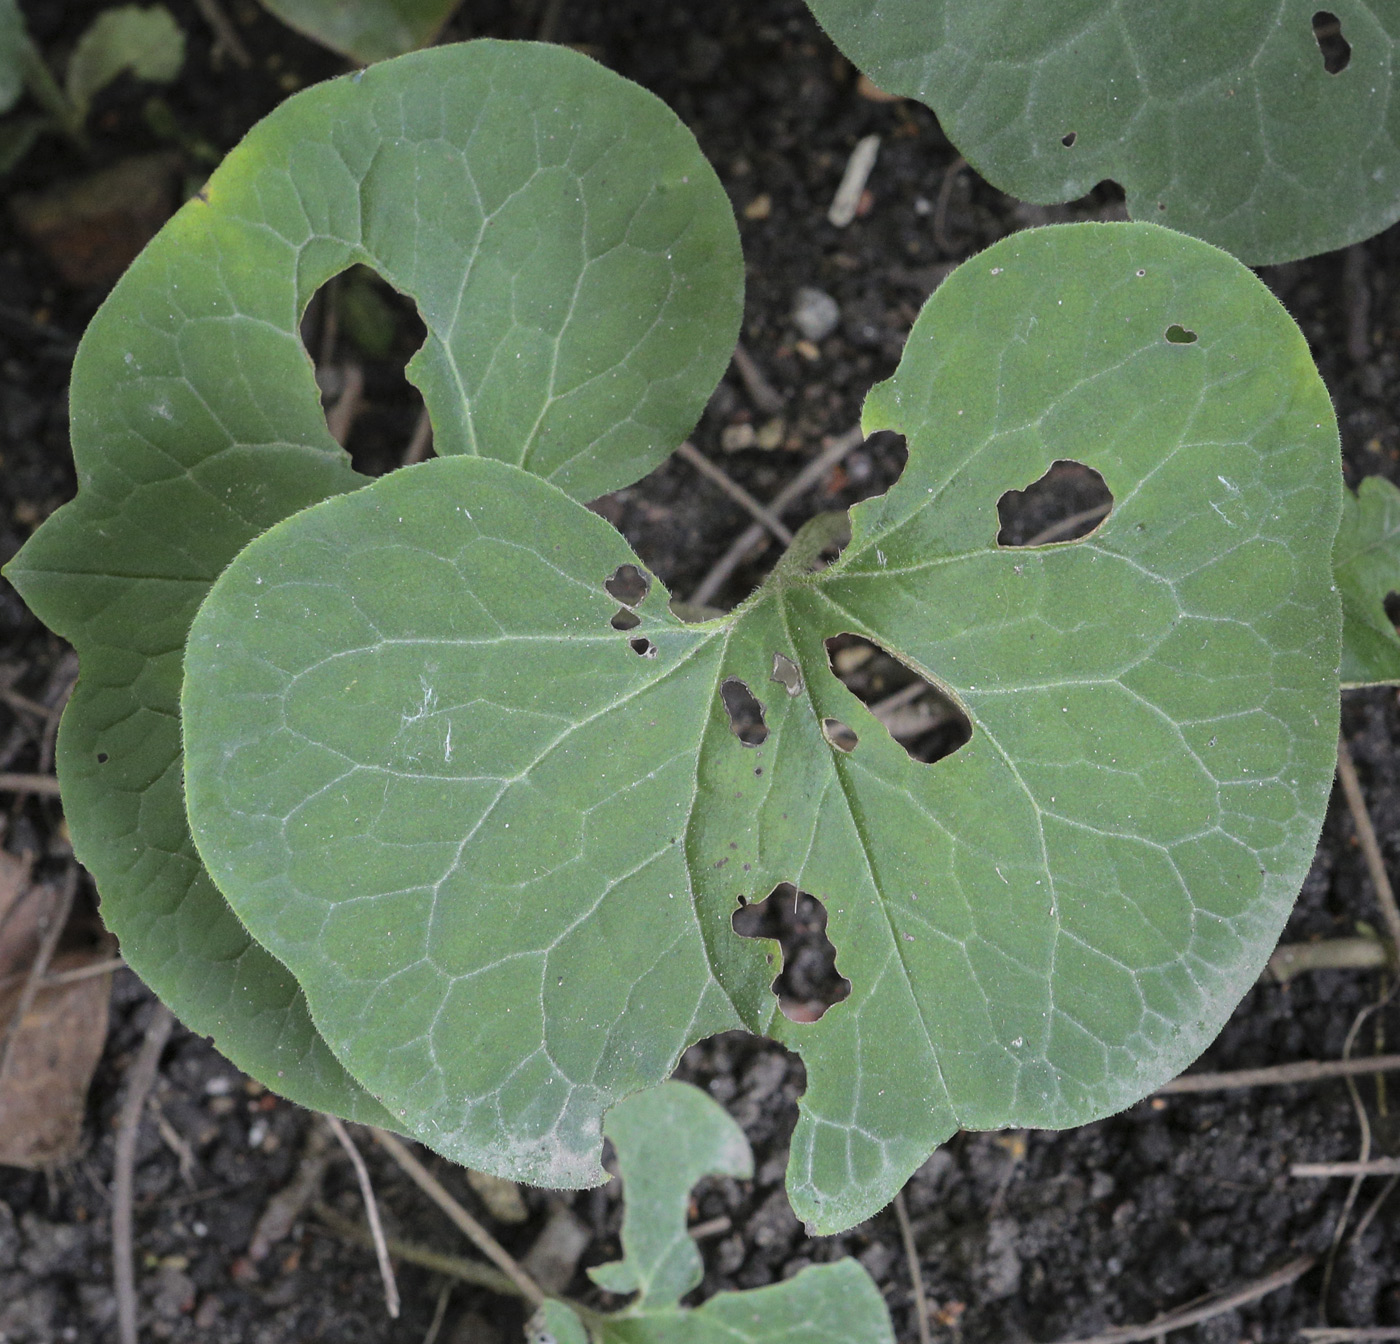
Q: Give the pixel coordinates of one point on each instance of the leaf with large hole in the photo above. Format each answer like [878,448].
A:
[1265,127]
[501,852]
[1367,561]
[576,264]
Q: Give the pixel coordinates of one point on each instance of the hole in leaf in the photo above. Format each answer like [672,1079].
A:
[787,674]
[625,619]
[809,982]
[1391,603]
[916,713]
[1179,335]
[361,332]
[1335,49]
[643,647]
[1065,504]
[102,758]
[842,737]
[628,584]
[745,712]
[1068,140]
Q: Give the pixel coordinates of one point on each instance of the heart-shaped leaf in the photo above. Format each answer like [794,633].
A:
[366,30]
[1264,127]
[499,840]
[576,264]
[1367,563]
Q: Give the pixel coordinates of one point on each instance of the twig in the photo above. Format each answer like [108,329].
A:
[1358,303]
[839,448]
[1343,1334]
[761,392]
[858,168]
[47,785]
[940,209]
[478,1235]
[1056,530]
[22,704]
[1375,1166]
[225,34]
[48,945]
[53,981]
[916,1275]
[549,23]
[1370,847]
[348,404]
[1215,1306]
[734,490]
[138,1086]
[1386,1191]
[420,441]
[712,1227]
[469,1271]
[1279,1075]
[376,1229]
[1331,954]
[439,1313]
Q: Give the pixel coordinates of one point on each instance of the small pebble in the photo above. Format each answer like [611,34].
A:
[815,313]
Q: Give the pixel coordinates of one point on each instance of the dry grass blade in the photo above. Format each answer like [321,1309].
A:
[1370,846]
[1281,1075]
[47,785]
[386,1270]
[916,1274]
[734,490]
[1373,1166]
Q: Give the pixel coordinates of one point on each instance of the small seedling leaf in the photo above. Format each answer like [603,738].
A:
[1256,126]
[1367,561]
[147,42]
[366,30]
[501,851]
[577,266]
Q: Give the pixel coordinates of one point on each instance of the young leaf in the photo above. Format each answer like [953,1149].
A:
[576,263]
[1262,127]
[666,1139]
[1367,562]
[148,42]
[14,54]
[499,841]
[366,30]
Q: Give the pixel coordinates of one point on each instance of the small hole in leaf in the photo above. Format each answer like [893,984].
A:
[102,758]
[916,713]
[628,584]
[809,982]
[1391,603]
[625,619]
[745,712]
[1068,140]
[642,647]
[1065,504]
[840,735]
[360,333]
[1179,335]
[787,674]
[1335,49]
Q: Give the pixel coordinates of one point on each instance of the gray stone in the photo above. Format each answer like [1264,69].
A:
[815,313]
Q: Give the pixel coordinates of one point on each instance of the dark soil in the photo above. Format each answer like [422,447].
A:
[1021,1236]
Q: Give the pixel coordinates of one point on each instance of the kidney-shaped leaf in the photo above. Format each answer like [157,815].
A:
[1268,128]
[1367,561]
[576,263]
[366,30]
[499,841]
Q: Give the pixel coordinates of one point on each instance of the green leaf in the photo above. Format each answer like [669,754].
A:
[14,54]
[366,30]
[577,266]
[1222,121]
[147,42]
[1367,561]
[499,841]
[666,1139]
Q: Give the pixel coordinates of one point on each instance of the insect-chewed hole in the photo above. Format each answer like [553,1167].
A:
[923,719]
[628,584]
[1335,49]
[841,736]
[809,982]
[1068,140]
[1179,335]
[360,333]
[625,619]
[642,647]
[745,712]
[1391,603]
[1065,504]
[787,674]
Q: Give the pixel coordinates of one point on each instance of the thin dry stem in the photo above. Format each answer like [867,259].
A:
[735,491]
[376,1229]
[916,1273]
[1370,846]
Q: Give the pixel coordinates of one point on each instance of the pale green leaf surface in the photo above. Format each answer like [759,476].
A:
[14,50]
[500,849]
[1367,562]
[147,42]
[366,30]
[1220,120]
[576,263]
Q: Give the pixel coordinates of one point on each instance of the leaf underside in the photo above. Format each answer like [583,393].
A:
[499,841]
[576,264]
[1367,563]
[367,30]
[1220,120]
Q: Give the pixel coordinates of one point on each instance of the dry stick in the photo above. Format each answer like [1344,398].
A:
[420,441]
[549,24]
[225,34]
[1280,1075]
[839,448]
[1376,1166]
[58,921]
[439,1312]
[138,1086]
[479,1236]
[1331,954]
[734,490]
[1370,847]
[1056,530]
[386,1270]
[940,209]
[1216,1306]
[1386,1191]
[761,392]
[22,704]
[916,1275]
[1342,1334]
[47,785]
[348,404]
[65,977]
